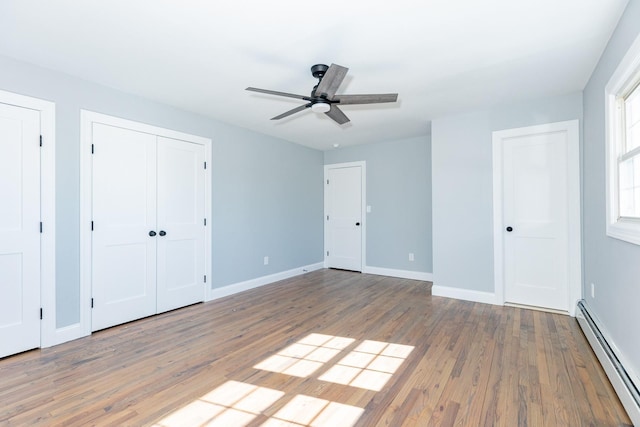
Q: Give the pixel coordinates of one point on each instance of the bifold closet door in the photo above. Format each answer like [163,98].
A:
[124,216]
[181,225]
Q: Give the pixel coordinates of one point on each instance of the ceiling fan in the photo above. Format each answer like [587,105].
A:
[323,98]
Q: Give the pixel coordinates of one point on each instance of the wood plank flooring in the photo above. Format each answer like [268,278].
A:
[328,348]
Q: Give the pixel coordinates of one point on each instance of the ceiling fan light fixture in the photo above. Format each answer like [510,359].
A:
[320,107]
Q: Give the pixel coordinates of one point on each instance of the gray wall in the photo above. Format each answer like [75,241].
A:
[462,186]
[611,264]
[399,193]
[267,193]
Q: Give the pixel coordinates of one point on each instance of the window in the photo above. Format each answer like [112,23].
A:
[629,157]
[623,148]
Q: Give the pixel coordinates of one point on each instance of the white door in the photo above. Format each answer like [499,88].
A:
[124,226]
[19,229]
[343,217]
[180,223]
[535,211]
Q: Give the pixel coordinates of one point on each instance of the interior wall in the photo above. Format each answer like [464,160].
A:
[462,174]
[267,193]
[612,265]
[399,193]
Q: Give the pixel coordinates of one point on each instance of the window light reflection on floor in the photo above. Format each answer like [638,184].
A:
[311,411]
[369,366]
[306,356]
[232,404]
[236,404]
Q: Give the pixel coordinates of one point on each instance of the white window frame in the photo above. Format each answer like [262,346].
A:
[622,82]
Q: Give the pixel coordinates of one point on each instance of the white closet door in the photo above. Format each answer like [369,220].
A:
[180,223]
[124,215]
[19,229]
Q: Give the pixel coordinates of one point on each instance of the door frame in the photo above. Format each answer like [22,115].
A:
[363,221]
[574,256]
[47,109]
[87,118]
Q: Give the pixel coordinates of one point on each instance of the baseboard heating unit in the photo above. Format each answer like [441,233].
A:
[623,384]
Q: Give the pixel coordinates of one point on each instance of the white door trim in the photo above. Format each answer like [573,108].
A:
[47,111]
[573,204]
[363,177]
[86,173]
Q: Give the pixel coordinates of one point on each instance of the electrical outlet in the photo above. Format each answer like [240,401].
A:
[593,290]
[266,260]
[411,258]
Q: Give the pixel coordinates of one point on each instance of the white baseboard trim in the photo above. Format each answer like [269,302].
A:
[403,274]
[464,294]
[75,331]
[260,281]
[613,365]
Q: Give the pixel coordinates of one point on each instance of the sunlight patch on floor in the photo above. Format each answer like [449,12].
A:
[236,404]
[368,366]
[311,411]
[232,404]
[306,356]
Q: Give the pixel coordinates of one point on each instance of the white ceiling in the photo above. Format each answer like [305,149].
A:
[441,56]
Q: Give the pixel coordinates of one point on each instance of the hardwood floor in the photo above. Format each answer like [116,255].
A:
[328,348]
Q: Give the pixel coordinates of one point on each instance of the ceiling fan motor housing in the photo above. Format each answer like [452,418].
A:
[318,70]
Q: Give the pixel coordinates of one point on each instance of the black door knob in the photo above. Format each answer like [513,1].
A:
[509,229]
[163,233]
[357,224]
[152,233]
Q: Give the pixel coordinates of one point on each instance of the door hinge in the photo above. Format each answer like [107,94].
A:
[40,226]
[40,313]
[91,302]
[205,278]
[327,182]
[327,217]
[91,225]
[205,222]
[91,148]
[40,140]
[327,253]
[205,165]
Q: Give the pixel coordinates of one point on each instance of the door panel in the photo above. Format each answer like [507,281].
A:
[535,189]
[181,217]
[19,229]
[344,209]
[124,212]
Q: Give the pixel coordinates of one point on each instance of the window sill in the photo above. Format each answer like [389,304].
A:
[629,231]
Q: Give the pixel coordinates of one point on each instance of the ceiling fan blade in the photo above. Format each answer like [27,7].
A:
[273,92]
[331,81]
[366,99]
[337,115]
[290,112]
